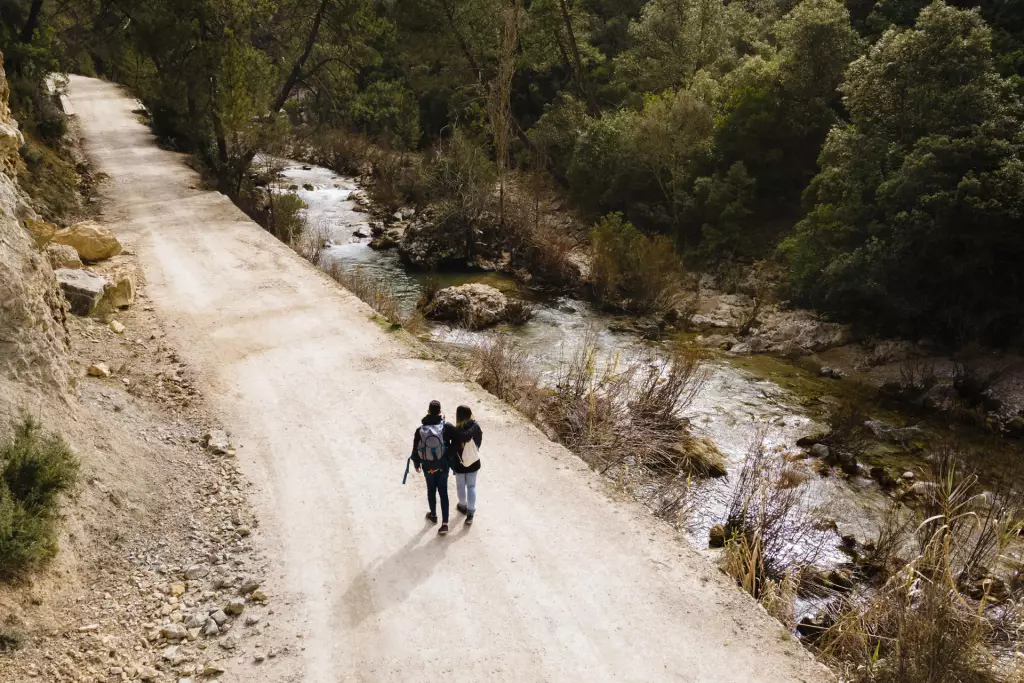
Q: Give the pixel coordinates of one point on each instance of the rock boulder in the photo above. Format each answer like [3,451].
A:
[121,292]
[82,289]
[474,306]
[41,231]
[387,240]
[63,256]
[92,241]
[798,332]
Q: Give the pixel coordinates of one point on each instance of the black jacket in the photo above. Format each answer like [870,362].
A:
[453,445]
[449,433]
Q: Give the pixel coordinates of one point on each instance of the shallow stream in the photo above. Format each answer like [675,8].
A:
[739,396]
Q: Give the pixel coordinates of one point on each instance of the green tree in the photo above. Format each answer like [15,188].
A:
[673,40]
[915,219]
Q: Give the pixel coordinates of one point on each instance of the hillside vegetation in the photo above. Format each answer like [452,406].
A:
[873,148]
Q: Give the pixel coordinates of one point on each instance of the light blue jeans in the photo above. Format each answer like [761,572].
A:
[465,487]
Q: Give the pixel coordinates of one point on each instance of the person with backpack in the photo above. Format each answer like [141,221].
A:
[464,456]
[428,454]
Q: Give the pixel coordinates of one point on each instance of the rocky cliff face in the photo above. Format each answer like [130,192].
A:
[33,336]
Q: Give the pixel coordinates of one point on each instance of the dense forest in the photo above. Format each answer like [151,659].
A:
[871,149]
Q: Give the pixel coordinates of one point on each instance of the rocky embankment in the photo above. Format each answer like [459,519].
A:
[33,335]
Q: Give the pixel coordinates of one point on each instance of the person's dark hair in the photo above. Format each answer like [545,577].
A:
[463,413]
[434,408]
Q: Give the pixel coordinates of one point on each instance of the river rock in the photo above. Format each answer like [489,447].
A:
[724,342]
[62,256]
[811,439]
[427,244]
[41,231]
[882,476]
[798,332]
[716,536]
[473,306]
[82,289]
[812,626]
[92,241]
[1014,428]
[921,490]
[820,450]
[723,311]
[940,398]
[385,241]
[846,461]
[894,434]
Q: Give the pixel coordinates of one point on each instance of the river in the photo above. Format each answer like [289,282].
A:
[730,410]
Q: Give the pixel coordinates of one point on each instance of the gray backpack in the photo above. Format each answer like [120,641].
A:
[431,447]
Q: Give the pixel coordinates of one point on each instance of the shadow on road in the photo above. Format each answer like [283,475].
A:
[390,581]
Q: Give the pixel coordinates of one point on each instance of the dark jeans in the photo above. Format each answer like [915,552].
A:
[437,483]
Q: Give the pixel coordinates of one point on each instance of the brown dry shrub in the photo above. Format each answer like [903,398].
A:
[940,617]
[617,410]
[500,366]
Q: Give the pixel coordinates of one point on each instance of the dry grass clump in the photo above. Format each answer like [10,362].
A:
[312,243]
[945,616]
[618,411]
[379,295]
[500,366]
[622,416]
[769,530]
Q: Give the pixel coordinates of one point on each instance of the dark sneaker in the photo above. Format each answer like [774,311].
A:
[432,518]
[469,519]
[443,531]
[462,508]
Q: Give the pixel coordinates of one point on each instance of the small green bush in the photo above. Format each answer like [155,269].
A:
[285,217]
[632,271]
[37,466]
[34,467]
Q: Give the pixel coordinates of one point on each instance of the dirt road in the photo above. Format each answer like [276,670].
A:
[554,582]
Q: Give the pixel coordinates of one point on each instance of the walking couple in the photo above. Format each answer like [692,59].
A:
[439,445]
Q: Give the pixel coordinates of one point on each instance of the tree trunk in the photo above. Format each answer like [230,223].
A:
[449,13]
[307,49]
[33,21]
[286,89]
[581,77]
